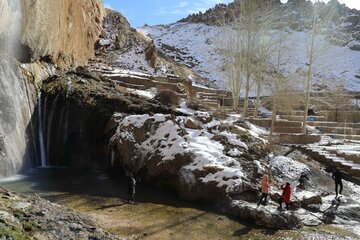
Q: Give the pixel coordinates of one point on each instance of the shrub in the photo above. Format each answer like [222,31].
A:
[168,98]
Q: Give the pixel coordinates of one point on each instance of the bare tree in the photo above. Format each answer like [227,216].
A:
[240,44]
[249,18]
[262,56]
[318,19]
[233,62]
[279,80]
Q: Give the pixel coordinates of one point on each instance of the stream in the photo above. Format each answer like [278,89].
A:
[156,214]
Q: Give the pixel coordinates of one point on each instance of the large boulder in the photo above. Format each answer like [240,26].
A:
[171,150]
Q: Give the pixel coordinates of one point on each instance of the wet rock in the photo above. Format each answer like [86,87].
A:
[9,219]
[20,205]
[265,217]
[22,220]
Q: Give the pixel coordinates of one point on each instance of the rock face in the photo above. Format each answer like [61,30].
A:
[76,110]
[31,217]
[33,32]
[62,31]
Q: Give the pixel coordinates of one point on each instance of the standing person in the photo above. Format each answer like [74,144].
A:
[285,198]
[131,184]
[338,176]
[264,190]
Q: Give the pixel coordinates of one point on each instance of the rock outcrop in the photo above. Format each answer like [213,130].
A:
[197,162]
[62,31]
[76,110]
[121,46]
[31,217]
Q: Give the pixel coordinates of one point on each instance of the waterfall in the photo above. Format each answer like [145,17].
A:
[49,125]
[41,135]
[15,115]
[15,111]
[11,27]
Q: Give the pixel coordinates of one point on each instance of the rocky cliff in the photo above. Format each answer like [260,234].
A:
[123,47]
[44,36]
[62,31]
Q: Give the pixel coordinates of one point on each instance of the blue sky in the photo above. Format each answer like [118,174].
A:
[153,12]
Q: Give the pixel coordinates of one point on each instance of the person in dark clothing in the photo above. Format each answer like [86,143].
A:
[131,184]
[338,176]
[302,180]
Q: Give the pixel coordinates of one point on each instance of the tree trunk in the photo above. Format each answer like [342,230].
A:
[248,71]
[273,114]
[235,103]
[309,78]
[246,99]
[257,103]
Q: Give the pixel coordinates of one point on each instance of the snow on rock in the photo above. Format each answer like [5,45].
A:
[150,93]
[233,140]
[105,42]
[164,142]
[167,138]
[135,120]
[287,169]
[235,152]
[209,154]
[257,131]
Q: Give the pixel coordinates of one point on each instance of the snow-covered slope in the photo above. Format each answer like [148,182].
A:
[196,45]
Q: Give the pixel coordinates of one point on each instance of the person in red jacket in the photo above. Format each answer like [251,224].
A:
[285,198]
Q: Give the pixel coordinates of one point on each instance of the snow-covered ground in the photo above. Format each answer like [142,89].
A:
[197,45]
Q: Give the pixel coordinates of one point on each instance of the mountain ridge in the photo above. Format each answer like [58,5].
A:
[343,28]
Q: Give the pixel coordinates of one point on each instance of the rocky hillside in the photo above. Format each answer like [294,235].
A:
[197,43]
[342,24]
[122,47]
[31,217]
